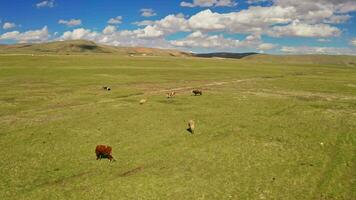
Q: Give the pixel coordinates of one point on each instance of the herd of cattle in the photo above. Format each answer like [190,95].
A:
[105,151]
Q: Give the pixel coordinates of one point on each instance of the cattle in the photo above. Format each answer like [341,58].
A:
[171,94]
[104,151]
[197,92]
[191,126]
[107,88]
[142,101]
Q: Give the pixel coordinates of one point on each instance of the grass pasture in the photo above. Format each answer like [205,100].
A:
[265,129]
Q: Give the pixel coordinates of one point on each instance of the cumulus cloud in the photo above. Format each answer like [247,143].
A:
[281,18]
[209,3]
[208,21]
[168,25]
[47,3]
[276,20]
[198,39]
[111,36]
[202,40]
[252,20]
[115,20]
[40,35]
[266,46]
[318,50]
[9,25]
[144,23]
[78,34]
[337,19]
[109,29]
[305,6]
[149,32]
[72,22]
[147,12]
[353,42]
[305,30]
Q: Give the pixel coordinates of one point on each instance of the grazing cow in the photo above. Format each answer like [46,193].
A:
[107,88]
[191,126]
[142,101]
[197,92]
[104,151]
[171,94]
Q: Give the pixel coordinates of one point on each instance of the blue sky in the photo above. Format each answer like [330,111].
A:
[271,26]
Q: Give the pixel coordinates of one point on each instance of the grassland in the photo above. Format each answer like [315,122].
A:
[265,128]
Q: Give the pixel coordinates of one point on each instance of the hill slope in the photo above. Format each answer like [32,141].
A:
[225,55]
[85,47]
[304,59]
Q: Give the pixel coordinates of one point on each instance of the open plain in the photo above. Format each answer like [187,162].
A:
[266,127]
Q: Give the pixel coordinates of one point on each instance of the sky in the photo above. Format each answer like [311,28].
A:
[265,26]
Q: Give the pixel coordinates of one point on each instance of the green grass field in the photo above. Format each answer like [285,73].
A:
[265,129]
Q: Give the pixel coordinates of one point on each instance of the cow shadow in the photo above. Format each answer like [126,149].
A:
[190,130]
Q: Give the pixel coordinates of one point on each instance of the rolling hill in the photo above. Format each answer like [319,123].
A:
[85,47]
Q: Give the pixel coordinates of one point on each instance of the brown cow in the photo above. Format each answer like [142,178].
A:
[197,92]
[104,151]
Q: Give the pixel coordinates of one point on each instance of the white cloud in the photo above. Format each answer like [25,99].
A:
[168,25]
[253,20]
[72,22]
[353,42]
[78,34]
[115,20]
[337,19]
[47,3]
[318,50]
[147,12]
[149,32]
[40,35]
[280,19]
[266,46]
[208,21]
[306,6]
[13,35]
[8,25]
[111,36]
[201,40]
[209,3]
[144,23]
[346,6]
[305,30]
[109,29]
